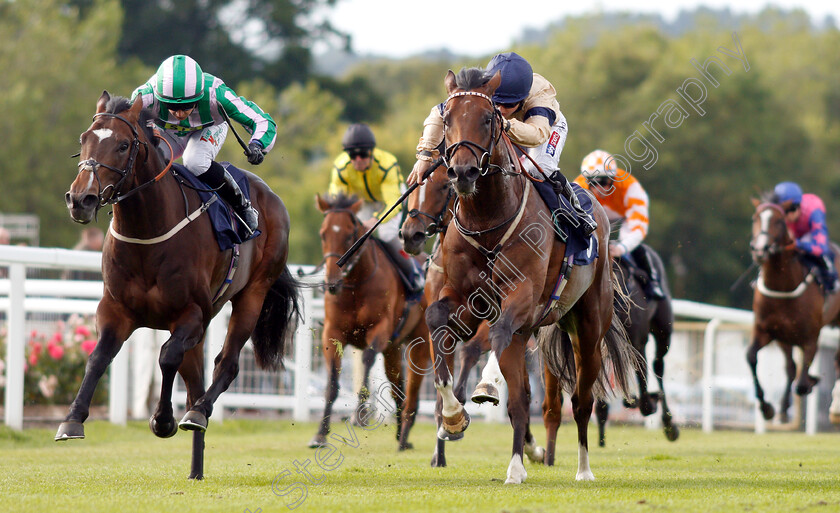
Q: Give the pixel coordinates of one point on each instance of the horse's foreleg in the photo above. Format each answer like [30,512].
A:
[790,373]
[393,370]
[111,338]
[332,349]
[602,413]
[468,358]
[759,341]
[512,365]
[454,418]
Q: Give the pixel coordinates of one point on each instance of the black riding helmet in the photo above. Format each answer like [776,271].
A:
[358,136]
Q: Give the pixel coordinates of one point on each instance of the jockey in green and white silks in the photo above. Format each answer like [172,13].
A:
[187,105]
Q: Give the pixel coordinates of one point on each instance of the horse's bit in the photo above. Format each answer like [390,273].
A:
[436,226]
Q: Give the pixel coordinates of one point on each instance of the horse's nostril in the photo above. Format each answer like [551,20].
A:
[90,201]
[450,173]
[419,237]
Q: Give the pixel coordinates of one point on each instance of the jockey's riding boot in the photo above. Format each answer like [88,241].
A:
[218,178]
[830,279]
[408,266]
[653,286]
[562,187]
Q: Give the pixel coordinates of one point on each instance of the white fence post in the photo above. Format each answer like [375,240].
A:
[118,387]
[15,348]
[708,374]
[303,360]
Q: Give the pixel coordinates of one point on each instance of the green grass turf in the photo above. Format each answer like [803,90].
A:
[127,469]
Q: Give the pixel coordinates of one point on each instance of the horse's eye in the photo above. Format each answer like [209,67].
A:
[123,147]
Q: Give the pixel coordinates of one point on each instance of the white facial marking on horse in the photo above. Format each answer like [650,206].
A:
[423,194]
[336,228]
[764,218]
[103,133]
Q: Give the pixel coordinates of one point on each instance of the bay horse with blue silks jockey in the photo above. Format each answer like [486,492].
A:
[788,306]
[162,269]
[429,214]
[493,273]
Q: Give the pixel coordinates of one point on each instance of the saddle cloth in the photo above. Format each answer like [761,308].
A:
[584,249]
[225,225]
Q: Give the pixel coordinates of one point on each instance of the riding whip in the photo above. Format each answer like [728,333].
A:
[341,261]
[241,142]
[741,278]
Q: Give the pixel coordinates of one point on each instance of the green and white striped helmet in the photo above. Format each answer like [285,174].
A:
[179,80]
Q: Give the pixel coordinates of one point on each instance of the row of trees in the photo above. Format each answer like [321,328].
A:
[774,116]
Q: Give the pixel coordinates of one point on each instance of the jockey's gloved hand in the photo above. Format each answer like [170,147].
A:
[255,153]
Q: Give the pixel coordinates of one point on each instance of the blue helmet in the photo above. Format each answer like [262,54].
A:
[787,191]
[517,77]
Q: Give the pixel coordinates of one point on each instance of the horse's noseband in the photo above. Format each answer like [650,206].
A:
[436,226]
[93,165]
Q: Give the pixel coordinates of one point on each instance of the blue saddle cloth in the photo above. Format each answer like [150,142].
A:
[566,225]
[225,224]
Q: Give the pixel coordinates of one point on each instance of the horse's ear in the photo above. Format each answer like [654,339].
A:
[137,106]
[787,205]
[756,202]
[102,101]
[449,81]
[494,82]
[355,207]
[322,204]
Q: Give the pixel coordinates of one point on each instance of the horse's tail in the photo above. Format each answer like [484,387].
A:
[619,360]
[281,310]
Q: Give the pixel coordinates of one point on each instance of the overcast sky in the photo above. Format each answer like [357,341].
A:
[400,28]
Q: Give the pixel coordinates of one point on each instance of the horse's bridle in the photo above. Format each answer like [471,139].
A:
[484,165]
[436,226]
[775,248]
[348,268]
[93,165]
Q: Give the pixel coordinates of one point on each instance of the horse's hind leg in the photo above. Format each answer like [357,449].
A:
[806,382]
[331,347]
[602,412]
[552,411]
[760,340]
[663,343]
[439,456]
[187,333]
[534,452]
[417,364]
[112,334]
[588,364]
[790,373]
[393,370]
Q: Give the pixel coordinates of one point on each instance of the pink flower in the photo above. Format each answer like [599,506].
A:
[33,358]
[56,338]
[56,351]
[36,349]
[83,331]
[88,345]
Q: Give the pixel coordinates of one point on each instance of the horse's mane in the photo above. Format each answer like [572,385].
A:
[768,197]
[472,78]
[340,200]
[119,104]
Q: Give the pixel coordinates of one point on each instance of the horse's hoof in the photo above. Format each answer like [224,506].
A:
[803,389]
[647,408]
[70,430]
[363,415]
[630,402]
[602,442]
[318,441]
[166,429]
[672,432]
[457,423]
[784,418]
[446,436]
[406,446]
[193,421]
[767,411]
[438,461]
[535,453]
[485,393]
[586,475]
